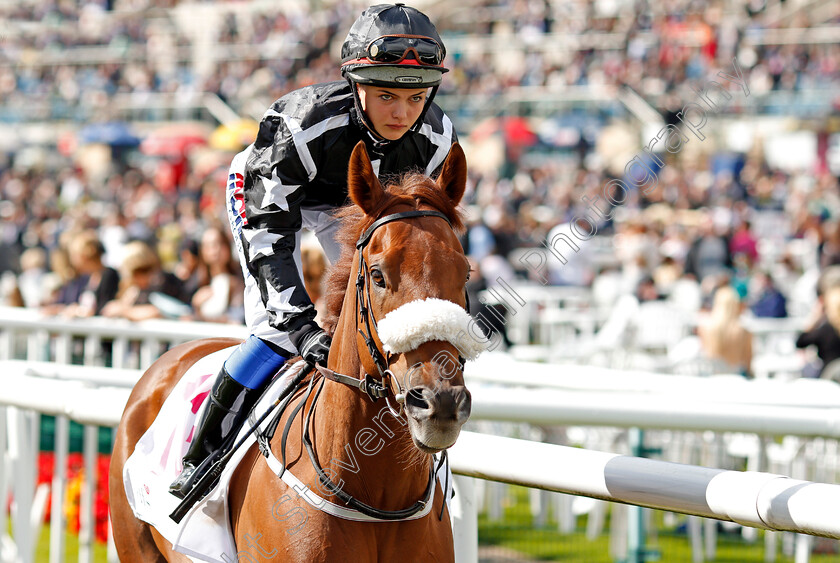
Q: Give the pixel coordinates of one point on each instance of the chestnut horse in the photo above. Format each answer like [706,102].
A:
[401,256]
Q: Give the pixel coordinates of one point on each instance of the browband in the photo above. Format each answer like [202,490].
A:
[363,240]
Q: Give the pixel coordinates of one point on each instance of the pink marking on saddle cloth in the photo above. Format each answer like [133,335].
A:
[195,395]
[197,400]
[193,386]
[164,456]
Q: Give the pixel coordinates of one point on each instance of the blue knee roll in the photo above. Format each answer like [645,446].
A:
[253,363]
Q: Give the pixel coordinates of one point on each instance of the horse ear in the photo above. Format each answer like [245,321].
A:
[363,186]
[453,176]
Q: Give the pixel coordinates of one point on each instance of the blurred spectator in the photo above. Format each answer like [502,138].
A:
[744,243]
[767,300]
[314,264]
[101,282]
[709,288]
[637,249]
[146,291]
[723,337]
[823,327]
[489,314]
[221,287]
[634,273]
[495,266]
[68,284]
[478,240]
[10,295]
[666,274]
[829,250]
[577,271]
[741,275]
[187,268]
[33,280]
[646,290]
[709,254]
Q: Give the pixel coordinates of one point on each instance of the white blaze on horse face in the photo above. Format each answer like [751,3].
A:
[417,322]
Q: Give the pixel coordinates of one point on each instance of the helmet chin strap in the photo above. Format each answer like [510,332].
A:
[378,140]
[426,106]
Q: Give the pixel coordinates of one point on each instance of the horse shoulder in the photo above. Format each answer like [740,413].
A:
[157,382]
[136,541]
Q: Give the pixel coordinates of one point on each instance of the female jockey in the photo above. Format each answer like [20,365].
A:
[295,175]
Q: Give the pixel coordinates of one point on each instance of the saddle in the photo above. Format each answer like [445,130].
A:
[208,472]
[203,530]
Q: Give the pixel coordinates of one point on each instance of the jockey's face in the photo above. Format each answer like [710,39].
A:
[392,110]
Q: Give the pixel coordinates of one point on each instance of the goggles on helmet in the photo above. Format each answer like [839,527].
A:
[395,48]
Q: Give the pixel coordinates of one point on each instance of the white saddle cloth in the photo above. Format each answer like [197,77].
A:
[204,534]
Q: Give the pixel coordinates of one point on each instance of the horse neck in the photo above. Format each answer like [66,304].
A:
[360,440]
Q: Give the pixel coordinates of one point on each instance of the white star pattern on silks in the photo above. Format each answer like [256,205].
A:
[260,242]
[276,192]
[280,302]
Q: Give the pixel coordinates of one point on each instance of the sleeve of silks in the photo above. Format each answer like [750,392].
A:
[275,182]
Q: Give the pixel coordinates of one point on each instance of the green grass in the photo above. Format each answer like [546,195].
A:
[517,532]
[71,548]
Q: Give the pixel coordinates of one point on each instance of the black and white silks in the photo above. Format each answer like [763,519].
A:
[293,175]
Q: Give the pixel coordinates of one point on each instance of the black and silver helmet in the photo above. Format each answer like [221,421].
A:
[393,45]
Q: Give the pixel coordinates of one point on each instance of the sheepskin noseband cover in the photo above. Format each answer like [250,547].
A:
[410,325]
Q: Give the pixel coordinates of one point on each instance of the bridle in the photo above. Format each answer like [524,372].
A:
[378,388]
[373,387]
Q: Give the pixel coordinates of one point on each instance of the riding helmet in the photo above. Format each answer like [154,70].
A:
[393,45]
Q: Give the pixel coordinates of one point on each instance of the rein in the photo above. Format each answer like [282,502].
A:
[418,509]
[350,500]
[375,388]
[378,389]
[363,305]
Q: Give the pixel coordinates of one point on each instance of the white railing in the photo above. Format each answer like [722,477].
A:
[750,498]
[34,344]
[568,395]
[55,391]
[28,334]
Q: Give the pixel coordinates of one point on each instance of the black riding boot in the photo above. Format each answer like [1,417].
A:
[229,404]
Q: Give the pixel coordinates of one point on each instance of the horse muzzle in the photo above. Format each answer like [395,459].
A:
[436,415]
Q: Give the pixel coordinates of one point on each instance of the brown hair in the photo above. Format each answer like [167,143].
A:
[137,255]
[86,244]
[314,265]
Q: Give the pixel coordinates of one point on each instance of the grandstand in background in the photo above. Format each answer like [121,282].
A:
[134,60]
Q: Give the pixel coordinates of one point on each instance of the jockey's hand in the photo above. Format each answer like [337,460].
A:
[314,345]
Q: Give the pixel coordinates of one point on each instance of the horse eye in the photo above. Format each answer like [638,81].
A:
[377,277]
[468,275]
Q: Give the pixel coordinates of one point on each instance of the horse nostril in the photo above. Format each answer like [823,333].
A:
[414,399]
[464,402]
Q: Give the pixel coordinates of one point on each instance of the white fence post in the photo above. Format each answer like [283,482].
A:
[23,451]
[87,530]
[59,482]
[464,520]
[5,467]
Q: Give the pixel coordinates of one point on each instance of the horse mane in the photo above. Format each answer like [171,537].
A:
[413,190]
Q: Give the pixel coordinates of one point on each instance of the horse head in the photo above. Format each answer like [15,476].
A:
[410,272]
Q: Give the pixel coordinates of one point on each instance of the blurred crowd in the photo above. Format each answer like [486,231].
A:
[743,224]
[68,58]
[118,246]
